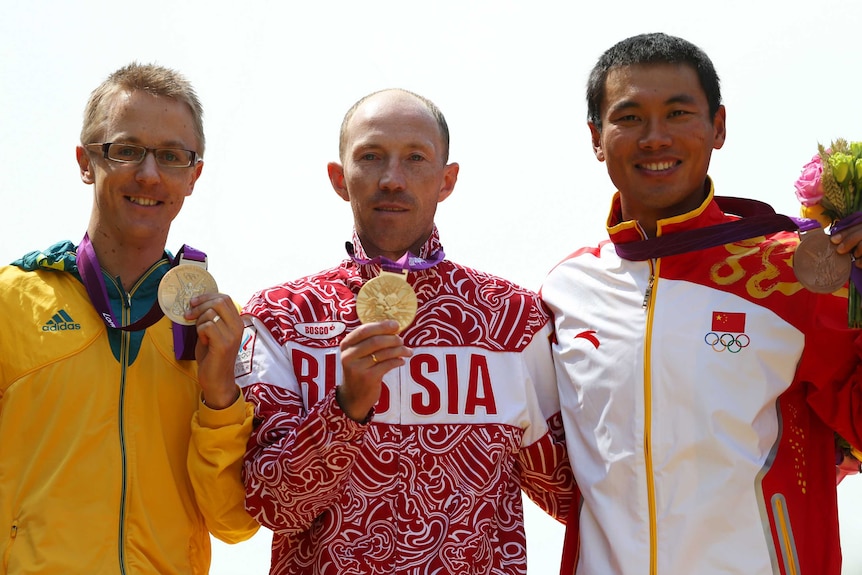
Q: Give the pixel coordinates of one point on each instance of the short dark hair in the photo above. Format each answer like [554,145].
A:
[432,108]
[653,48]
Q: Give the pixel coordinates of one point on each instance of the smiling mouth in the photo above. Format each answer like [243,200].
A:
[142,201]
[657,166]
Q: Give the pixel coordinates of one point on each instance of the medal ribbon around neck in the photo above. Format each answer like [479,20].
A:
[406,263]
[757,219]
[185,337]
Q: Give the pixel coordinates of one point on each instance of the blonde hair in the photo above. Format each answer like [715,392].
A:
[150,78]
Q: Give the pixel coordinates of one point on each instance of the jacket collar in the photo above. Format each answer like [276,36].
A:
[431,246]
[624,231]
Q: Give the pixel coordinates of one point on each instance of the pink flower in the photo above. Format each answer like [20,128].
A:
[809,191]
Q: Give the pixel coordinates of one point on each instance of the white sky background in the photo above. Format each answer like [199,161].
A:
[276,78]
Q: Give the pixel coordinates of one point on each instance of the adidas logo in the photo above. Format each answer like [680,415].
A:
[61,321]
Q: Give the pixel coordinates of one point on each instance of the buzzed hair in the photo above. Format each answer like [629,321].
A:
[653,48]
[432,108]
[150,78]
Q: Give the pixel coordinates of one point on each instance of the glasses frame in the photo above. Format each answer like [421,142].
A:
[105,146]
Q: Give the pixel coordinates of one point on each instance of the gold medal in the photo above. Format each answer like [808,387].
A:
[388,296]
[818,267]
[179,286]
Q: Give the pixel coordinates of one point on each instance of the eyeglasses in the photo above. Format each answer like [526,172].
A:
[134,154]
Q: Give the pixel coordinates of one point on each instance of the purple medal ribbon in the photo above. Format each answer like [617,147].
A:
[408,261]
[758,218]
[185,337]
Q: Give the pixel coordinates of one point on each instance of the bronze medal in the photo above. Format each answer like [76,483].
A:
[388,296]
[818,267]
[179,286]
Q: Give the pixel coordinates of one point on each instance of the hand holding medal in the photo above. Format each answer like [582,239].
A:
[213,336]
[829,191]
[387,297]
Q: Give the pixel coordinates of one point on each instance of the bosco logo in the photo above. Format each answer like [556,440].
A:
[320,330]
[727,332]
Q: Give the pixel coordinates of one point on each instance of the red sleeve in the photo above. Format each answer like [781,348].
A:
[830,365]
[546,476]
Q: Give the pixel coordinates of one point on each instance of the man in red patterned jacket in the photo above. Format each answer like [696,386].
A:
[380,452]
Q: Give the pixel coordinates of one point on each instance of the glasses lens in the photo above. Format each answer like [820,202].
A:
[173,158]
[126,153]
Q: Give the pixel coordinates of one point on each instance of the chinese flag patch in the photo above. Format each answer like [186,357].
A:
[728,322]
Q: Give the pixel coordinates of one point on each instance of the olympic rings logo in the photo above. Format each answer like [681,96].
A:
[727,341]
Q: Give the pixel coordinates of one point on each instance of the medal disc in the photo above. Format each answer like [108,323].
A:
[388,296]
[818,267]
[181,284]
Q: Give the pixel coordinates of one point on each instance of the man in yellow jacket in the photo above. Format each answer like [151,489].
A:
[121,432]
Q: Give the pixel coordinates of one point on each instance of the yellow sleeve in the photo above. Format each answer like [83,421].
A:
[216,450]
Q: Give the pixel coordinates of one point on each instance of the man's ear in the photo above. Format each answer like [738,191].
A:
[450,176]
[84,165]
[719,125]
[198,169]
[336,178]
[596,135]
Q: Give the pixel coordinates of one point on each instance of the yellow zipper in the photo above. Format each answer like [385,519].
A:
[648,306]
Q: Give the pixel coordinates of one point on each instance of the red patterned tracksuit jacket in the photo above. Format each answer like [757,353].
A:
[433,483]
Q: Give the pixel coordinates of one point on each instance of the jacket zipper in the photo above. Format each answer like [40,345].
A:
[650,480]
[124,355]
[648,291]
[125,315]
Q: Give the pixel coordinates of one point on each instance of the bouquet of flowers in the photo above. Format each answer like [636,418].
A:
[830,191]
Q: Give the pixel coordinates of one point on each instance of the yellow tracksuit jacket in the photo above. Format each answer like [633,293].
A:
[109,462]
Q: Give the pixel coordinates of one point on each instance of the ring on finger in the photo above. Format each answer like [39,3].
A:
[374,358]
[217,318]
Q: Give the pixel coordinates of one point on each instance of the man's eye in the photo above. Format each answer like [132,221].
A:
[169,156]
[127,151]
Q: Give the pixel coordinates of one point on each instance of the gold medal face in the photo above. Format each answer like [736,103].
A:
[181,284]
[388,296]
[818,267]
